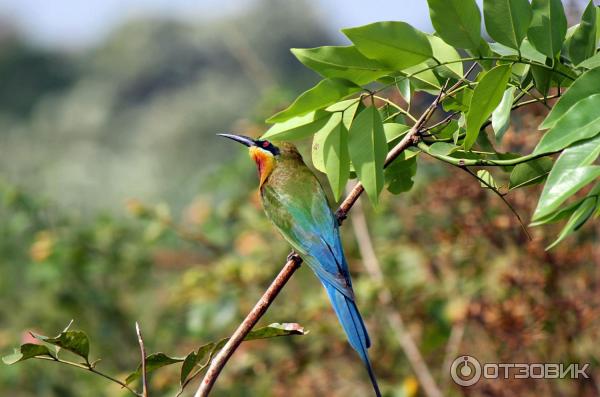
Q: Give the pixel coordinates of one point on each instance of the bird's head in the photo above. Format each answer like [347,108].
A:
[263,152]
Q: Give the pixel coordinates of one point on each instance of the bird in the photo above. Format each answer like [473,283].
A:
[295,202]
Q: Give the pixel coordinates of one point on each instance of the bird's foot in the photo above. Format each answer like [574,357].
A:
[293,256]
[340,215]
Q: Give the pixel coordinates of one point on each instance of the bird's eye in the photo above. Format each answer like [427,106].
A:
[266,144]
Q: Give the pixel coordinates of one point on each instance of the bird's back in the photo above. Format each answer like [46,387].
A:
[295,202]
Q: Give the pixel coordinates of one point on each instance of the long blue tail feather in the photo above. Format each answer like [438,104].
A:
[353,325]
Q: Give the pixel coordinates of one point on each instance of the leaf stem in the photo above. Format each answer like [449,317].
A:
[479,162]
[396,106]
[472,59]
[508,204]
[91,369]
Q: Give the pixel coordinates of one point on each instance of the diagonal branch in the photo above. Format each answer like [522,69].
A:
[294,261]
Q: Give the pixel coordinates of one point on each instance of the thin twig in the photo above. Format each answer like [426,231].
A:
[410,348]
[525,103]
[91,369]
[508,204]
[396,106]
[138,331]
[445,120]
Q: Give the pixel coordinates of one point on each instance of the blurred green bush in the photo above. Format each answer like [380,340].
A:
[135,118]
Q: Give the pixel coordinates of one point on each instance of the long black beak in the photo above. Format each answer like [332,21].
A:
[244,140]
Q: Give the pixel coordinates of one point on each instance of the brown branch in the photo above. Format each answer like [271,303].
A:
[143,354]
[294,261]
[246,326]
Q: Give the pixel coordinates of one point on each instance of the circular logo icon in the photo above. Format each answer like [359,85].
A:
[465,371]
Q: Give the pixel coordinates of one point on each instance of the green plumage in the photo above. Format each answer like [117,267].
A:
[295,202]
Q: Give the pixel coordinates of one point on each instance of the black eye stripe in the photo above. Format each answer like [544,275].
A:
[266,145]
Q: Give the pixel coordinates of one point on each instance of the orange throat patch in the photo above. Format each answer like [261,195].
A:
[265,162]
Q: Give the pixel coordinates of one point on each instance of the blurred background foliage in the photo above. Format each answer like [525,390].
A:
[117,204]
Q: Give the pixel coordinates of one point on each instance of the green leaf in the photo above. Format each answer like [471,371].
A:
[153,362]
[529,173]
[570,173]
[501,115]
[447,131]
[592,62]
[442,148]
[482,51]
[581,121]
[460,101]
[399,174]
[506,21]
[196,359]
[348,107]
[318,143]
[341,62]
[298,127]
[76,342]
[25,352]
[422,77]
[458,22]
[583,42]
[325,93]
[405,89]
[394,131]
[488,180]
[548,27]
[275,330]
[444,52]
[158,360]
[337,159]
[368,148]
[395,44]
[581,214]
[587,84]
[527,52]
[486,97]
[542,78]
[554,217]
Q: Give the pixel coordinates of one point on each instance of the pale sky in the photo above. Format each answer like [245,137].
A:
[76,23]
[84,22]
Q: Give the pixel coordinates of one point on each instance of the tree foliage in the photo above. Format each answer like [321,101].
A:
[355,117]
[532,56]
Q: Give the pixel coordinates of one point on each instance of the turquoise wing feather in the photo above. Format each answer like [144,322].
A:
[305,220]
[296,203]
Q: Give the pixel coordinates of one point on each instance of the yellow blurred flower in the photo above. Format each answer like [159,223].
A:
[410,386]
[42,247]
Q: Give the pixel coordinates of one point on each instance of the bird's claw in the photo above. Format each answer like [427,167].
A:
[292,256]
[340,215]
